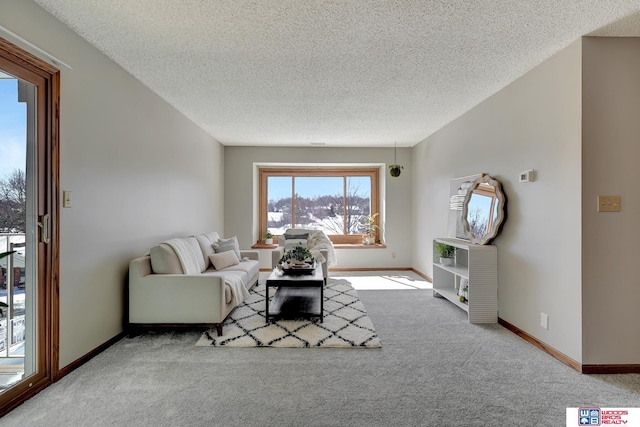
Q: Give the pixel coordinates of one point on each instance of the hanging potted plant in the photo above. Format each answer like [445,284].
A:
[446,253]
[268,238]
[395,169]
[369,236]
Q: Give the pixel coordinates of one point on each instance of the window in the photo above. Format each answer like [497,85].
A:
[334,200]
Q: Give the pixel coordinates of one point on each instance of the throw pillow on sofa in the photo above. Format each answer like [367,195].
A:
[206,242]
[224,259]
[230,244]
[164,260]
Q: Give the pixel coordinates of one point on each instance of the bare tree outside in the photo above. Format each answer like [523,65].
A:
[357,208]
[13,201]
[324,212]
[477,222]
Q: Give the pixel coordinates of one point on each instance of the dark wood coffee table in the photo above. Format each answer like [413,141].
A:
[297,295]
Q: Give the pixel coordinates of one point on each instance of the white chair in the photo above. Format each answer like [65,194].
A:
[291,238]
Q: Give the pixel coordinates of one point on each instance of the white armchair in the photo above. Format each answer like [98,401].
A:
[295,236]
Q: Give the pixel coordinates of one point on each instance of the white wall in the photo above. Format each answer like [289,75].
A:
[611,151]
[140,172]
[241,194]
[534,123]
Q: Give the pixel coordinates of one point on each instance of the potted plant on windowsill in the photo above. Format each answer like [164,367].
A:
[268,238]
[370,227]
[446,253]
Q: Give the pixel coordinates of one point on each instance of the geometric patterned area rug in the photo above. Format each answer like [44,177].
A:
[346,324]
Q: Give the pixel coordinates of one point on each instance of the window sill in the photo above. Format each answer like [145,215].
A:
[335,245]
[359,246]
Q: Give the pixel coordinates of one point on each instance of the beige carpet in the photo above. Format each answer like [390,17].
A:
[346,324]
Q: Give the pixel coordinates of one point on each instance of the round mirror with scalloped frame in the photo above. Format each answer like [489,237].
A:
[483,210]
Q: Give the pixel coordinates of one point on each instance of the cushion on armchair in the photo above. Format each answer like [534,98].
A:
[294,236]
[290,236]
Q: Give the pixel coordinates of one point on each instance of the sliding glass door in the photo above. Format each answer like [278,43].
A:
[28,225]
[18,274]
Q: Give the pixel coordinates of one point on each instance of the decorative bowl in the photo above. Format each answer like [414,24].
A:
[298,269]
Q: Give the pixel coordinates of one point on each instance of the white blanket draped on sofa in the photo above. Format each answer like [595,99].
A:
[190,266]
[238,292]
[318,241]
[186,255]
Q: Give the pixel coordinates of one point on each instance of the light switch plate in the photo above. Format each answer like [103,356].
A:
[609,204]
[66,199]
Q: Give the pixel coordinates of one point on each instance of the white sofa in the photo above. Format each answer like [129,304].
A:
[295,236]
[161,294]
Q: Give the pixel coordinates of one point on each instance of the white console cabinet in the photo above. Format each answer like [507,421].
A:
[479,265]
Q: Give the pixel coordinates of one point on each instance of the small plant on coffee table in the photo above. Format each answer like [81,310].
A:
[298,255]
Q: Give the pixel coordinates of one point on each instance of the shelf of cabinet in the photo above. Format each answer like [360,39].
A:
[462,271]
[477,265]
[452,296]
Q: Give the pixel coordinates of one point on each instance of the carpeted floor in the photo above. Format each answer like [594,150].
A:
[434,369]
[345,323]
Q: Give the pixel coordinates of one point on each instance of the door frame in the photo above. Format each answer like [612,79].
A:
[46,78]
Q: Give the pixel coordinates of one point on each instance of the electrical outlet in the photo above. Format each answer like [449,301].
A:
[544,321]
[608,203]
[393,255]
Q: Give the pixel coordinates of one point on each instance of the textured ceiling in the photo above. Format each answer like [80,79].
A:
[338,72]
